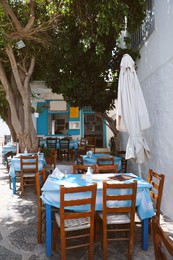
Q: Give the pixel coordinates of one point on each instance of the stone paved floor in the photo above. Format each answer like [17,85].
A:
[18,231]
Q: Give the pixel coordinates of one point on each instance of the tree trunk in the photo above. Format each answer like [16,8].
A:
[20,109]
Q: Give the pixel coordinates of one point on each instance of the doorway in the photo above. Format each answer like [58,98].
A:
[93,126]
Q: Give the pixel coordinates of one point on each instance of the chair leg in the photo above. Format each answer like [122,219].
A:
[62,237]
[91,243]
[131,242]
[55,234]
[104,242]
[9,182]
[39,231]
[22,184]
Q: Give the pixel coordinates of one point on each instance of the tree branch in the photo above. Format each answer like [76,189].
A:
[3,78]
[29,73]
[14,67]
[11,14]
[10,98]
[31,20]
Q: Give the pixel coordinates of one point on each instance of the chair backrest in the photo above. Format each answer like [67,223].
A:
[82,168]
[40,145]
[105,161]
[91,143]
[51,142]
[106,168]
[84,220]
[125,193]
[40,180]
[29,164]
[123,161]
[64,144]
[157,181]
[163,246]
[53,158]
[83,141]
[86,200]
[91,140]
[79,159]
[9,156]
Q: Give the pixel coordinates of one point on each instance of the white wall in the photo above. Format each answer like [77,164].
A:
[155,72]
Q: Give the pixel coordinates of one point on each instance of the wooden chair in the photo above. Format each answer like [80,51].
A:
[91,144]
[40,180]
[106,168]
[163,246]
[51,142]
[81,150]
[82,168]
[118,218]
[64,149]
[105,161]
[53,161]
[79,159]
[40,145]
[123,161]
[29,167]
[76,229]
[157,181]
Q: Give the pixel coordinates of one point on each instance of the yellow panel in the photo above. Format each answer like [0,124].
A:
[74,112]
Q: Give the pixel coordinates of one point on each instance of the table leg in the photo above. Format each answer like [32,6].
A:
[14,184]
[4,159]
[48,230]
[145,234]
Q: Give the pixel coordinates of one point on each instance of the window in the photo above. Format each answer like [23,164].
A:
[58,123]
[141,35]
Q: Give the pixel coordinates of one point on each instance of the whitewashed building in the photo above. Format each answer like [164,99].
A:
[155,73]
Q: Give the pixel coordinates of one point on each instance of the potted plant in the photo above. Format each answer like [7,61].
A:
[47,154]
[36,111]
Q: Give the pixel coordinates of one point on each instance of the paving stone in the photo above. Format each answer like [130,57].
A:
[18,228]
[1,237]
[24,238]
[6,254]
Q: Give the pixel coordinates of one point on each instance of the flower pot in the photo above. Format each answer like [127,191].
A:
[36,114]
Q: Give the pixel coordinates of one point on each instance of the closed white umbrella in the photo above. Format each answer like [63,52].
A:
[132,114]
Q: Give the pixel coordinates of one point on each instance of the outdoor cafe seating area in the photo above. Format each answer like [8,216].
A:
[112,201]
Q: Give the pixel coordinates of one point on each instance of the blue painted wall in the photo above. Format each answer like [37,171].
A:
[42,121]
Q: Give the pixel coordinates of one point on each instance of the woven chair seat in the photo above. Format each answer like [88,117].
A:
[74,224]
[29,175]
[116,218]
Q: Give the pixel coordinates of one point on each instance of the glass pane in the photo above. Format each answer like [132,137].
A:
[58,123]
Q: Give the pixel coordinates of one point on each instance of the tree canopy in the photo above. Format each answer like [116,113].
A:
[86,49]
[24,34]
[72,44]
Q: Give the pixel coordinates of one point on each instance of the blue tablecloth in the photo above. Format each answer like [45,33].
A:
[51,197]
[73,143]
[15,167]
[93,159]
[9,148]
[51,191]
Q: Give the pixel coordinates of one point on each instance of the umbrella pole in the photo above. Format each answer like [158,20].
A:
[139,170]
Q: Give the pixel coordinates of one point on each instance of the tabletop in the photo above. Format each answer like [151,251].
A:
[51,190]
[93,159]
